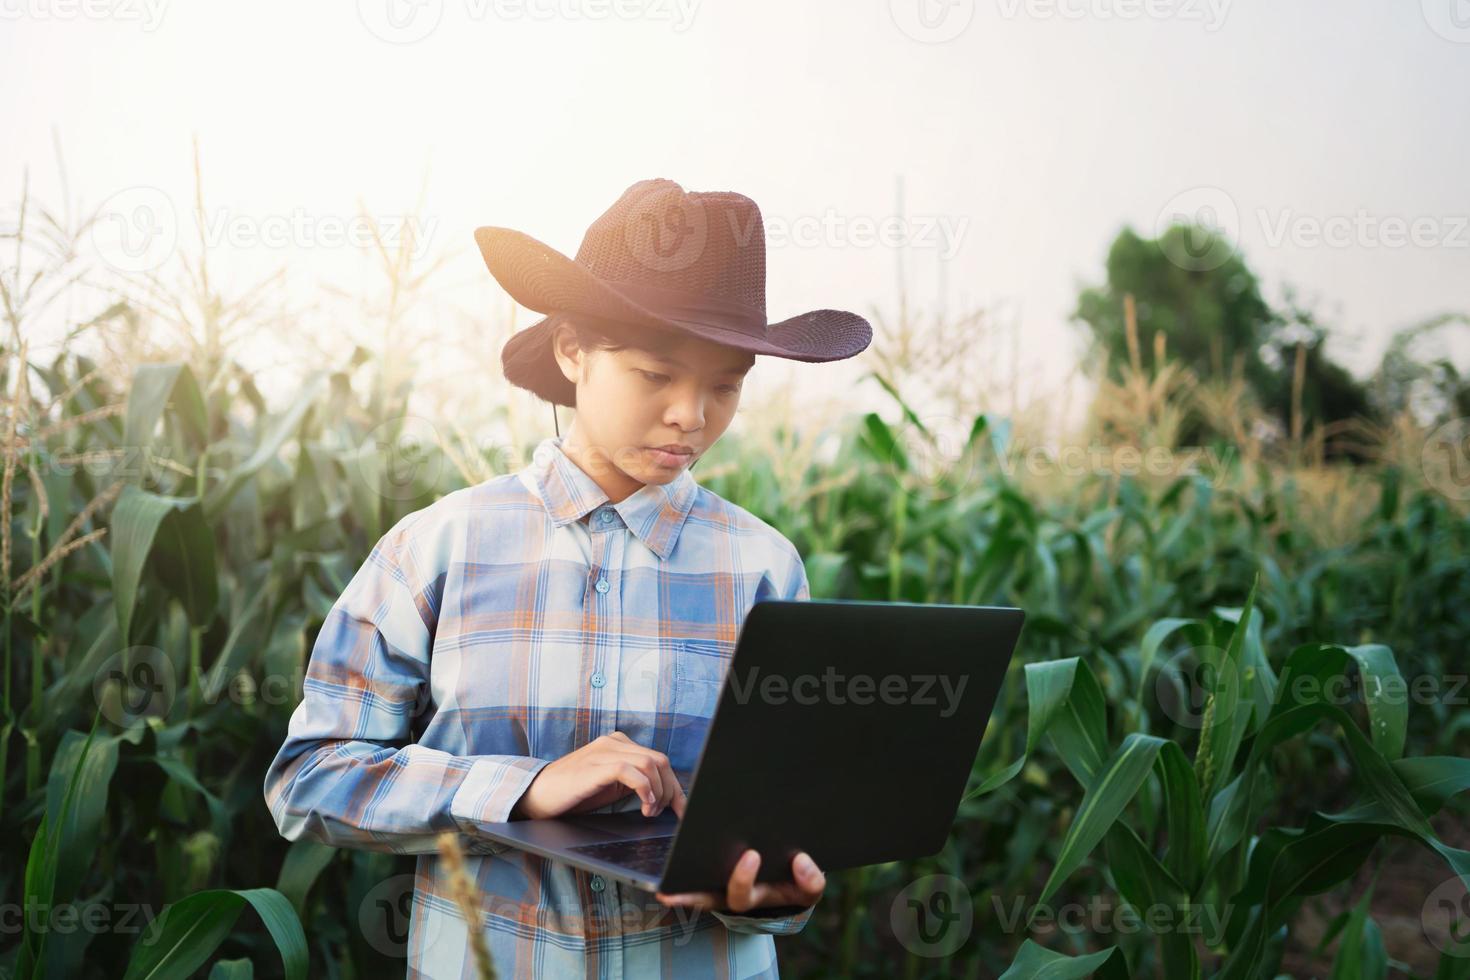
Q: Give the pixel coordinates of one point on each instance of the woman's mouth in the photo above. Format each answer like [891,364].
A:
[665,458]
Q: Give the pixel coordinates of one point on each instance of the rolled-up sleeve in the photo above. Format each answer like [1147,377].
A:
[348,774]
[781,920]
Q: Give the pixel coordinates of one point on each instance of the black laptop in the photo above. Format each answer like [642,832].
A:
[845,728]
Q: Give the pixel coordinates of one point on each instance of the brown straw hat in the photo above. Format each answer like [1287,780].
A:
[661,258]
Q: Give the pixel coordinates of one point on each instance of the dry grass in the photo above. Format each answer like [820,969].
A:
[469,900]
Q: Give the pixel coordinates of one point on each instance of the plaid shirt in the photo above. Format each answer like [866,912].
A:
[492,632]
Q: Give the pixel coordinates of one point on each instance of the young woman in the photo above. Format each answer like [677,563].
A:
[553,640]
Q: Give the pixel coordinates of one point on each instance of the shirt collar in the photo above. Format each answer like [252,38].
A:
[654,512]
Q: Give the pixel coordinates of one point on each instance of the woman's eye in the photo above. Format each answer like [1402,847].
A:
[655,378]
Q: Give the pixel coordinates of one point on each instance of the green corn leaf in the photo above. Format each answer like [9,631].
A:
[1036,962]
[1066,703]
[1299,707]
[1360,955]
[76,799]
[908,413]
[305,861]
[189,931]
[232,970]
[1185,819]
[1453,965]
[1227,714]
[1112,789]
[279,430]
[1153,639]
[1148,885]
[154,387]
[169,533]
[1431,780]
[252,621]
[1320,671]
[1289,863]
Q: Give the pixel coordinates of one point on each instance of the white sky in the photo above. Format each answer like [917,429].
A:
[1035,132]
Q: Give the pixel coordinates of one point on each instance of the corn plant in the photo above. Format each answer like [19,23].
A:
[1193,839]
[172,542]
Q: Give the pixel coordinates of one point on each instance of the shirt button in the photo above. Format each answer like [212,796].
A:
[597,883]
[598,680]
[602,585]
[607,517]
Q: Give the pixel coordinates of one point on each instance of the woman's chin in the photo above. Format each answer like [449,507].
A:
[660,474]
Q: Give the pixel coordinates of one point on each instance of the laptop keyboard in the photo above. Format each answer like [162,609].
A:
[645,854]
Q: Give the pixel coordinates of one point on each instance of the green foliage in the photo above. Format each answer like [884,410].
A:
[1210,311]
[1196,295]
[235,528]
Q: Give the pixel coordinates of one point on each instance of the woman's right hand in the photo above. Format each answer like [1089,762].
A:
[602,771]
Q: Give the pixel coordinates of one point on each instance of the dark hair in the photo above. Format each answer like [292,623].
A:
[597,334]
[593,333]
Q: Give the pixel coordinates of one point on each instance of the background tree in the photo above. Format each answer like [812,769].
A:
[1419,373]
[1194,289]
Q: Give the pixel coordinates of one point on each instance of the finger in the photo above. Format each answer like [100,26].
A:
[660,772]
[673,793]
[739,890]
[650,771]
[631,776]
[810,880]
[806,889]
[699,900]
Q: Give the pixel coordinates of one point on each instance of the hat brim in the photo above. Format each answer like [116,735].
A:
[540,278]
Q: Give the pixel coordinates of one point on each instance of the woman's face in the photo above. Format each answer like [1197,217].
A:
[631,402]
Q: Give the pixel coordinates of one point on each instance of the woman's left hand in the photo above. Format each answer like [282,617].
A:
[743,893]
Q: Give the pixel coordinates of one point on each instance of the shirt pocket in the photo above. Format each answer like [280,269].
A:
[699,674]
